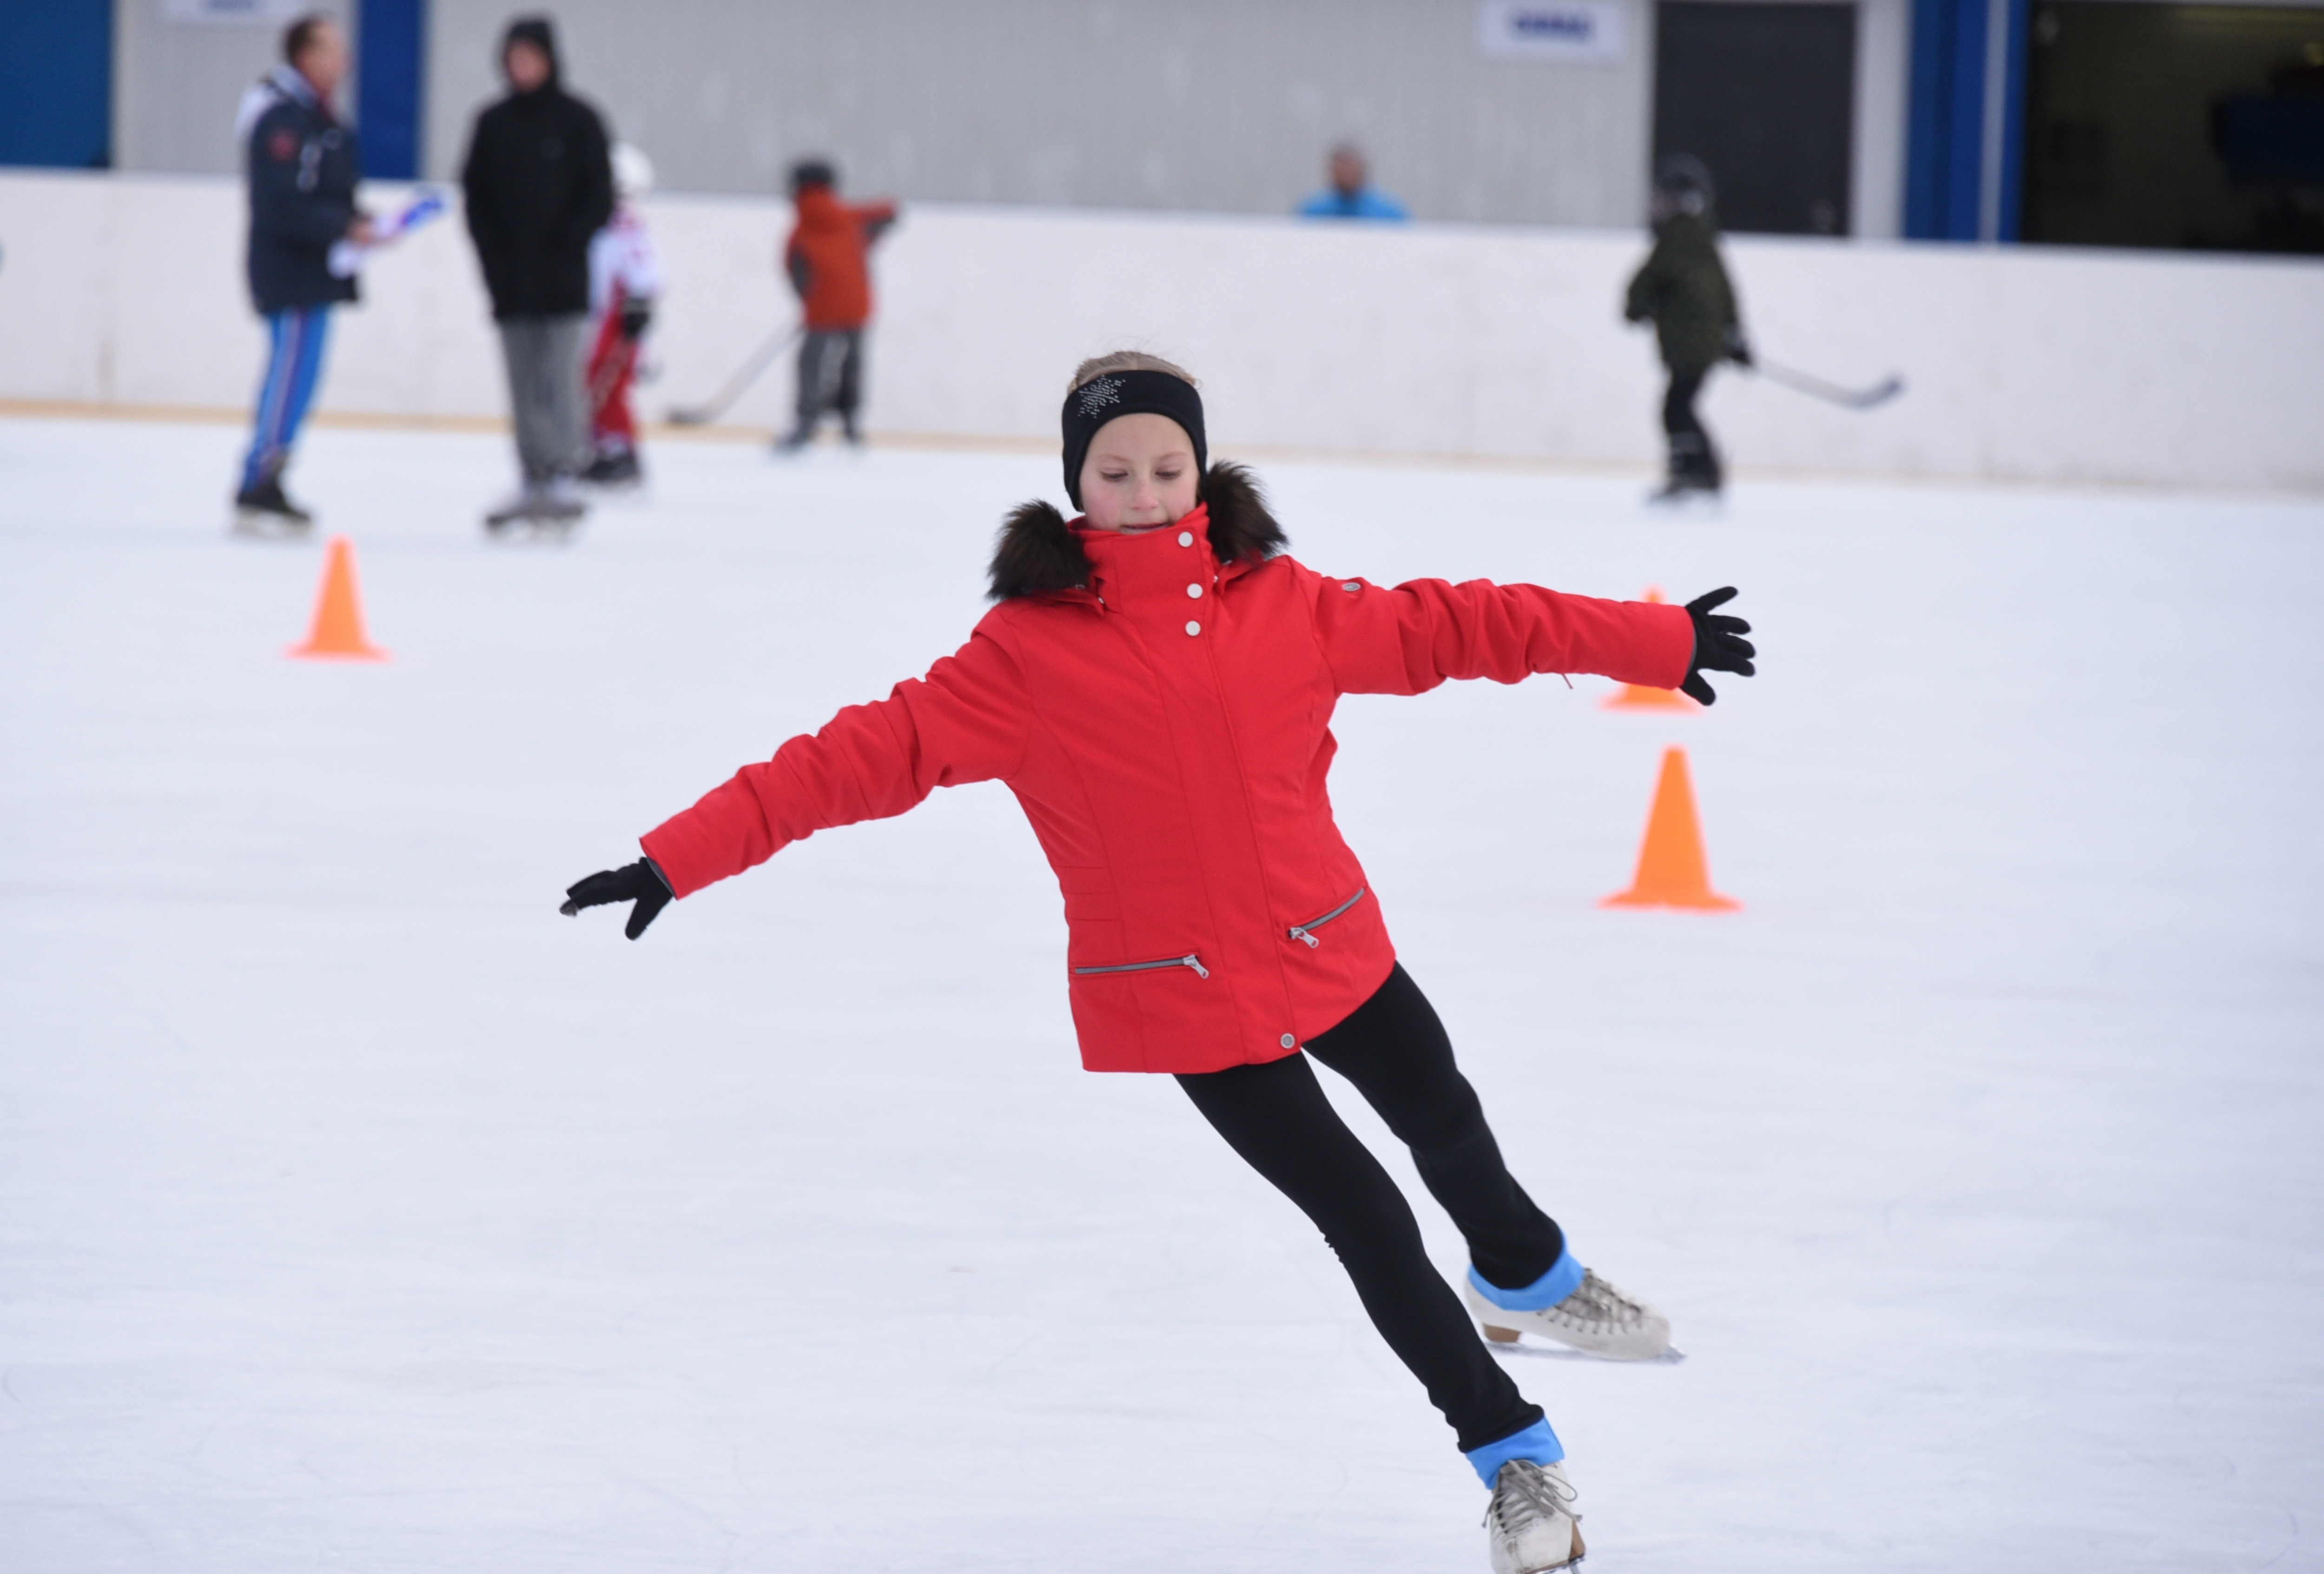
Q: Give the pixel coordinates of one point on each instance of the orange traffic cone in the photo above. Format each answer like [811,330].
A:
[1633,697]
[1672,872]
[338,632]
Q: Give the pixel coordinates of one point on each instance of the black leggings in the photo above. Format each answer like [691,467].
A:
[1692,455]
[1395,1051]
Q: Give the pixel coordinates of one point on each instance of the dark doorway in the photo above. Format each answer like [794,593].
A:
[1766,96]
[2175,125]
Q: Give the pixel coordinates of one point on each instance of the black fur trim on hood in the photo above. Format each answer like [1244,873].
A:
[1035,551]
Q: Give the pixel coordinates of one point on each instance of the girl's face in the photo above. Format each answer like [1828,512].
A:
[1138,473]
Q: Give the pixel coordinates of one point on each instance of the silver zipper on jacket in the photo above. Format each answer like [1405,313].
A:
[1306,930]
[1189,960]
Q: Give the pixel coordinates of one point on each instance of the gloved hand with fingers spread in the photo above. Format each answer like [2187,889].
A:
[1719,644]
[639,882]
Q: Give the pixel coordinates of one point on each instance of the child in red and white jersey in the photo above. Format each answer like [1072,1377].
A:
[625,282]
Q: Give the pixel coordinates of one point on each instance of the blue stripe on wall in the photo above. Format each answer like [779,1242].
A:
[56,83]
[2012,118]
[391,46]
[1945,127]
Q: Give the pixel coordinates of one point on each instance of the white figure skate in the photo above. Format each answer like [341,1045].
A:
[1597,1320]
[1530,1525]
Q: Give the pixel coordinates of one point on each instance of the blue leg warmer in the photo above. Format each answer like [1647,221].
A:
[1537,1443]
[1564,1278]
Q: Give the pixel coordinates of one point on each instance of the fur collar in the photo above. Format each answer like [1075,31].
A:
[1036,550]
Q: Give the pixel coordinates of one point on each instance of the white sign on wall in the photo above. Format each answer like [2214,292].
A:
[1553,30]
[232,11]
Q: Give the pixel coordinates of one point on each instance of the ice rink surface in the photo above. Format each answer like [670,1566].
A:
[357,1212]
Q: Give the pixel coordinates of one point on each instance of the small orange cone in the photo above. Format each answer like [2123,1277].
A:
[338,632]
[1672,870]
[1633,697]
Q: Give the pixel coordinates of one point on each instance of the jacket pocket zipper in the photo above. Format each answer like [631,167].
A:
[1189,960]
[1307,931]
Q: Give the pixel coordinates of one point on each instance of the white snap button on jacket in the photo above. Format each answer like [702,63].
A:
[1194,590]
[1186,537]
[1289,1041]
[1351,586]
[1192,626]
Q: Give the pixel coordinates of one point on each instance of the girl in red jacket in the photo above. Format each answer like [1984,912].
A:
[1156,685]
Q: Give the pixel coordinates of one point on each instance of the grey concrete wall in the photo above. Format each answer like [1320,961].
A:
[177,81]
[1206,105]
[1212,104]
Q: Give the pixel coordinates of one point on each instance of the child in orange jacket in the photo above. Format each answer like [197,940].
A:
[828,262]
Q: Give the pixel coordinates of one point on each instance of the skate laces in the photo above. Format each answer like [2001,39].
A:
[1596,1301]
[1526,1496]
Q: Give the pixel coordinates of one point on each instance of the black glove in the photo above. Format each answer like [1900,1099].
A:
[1737,350]
[1719,644]
[636,315]
[639,882]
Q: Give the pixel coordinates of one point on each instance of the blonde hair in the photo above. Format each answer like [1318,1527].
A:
[1128,361]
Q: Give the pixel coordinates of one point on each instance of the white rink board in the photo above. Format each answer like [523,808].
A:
[357,1211]
[2024,364]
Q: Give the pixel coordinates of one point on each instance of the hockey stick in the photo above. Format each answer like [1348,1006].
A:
[1880,392]
[702,415]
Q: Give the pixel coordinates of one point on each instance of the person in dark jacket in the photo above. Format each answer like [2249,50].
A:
[302,167]
[1683,290]
[828,262]
[539,185]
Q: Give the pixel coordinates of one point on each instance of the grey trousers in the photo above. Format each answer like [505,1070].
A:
[546,393]
[830,378]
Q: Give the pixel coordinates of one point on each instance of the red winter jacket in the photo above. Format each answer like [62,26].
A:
[1161,704]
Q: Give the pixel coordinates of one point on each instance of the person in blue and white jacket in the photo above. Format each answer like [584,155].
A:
[302,166]
[1351,193]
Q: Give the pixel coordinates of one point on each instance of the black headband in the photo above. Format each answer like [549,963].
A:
[1116,393]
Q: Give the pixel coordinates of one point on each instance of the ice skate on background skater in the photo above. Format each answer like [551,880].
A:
[1156,685]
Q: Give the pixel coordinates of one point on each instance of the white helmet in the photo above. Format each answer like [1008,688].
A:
[633,171]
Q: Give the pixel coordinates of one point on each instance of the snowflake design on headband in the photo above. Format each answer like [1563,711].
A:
[1099,392]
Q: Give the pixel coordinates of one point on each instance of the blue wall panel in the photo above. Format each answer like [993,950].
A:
[56,83]
[1945,133]
[1944,161]
[390,52]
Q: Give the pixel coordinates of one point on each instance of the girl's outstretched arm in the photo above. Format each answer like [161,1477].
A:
[966,721]
[1409,639]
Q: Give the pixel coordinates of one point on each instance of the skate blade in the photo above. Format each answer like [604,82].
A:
[1542,1351]
[254,525]
[534,528]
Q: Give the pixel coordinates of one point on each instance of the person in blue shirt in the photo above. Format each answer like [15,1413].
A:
[302,166]
[1351,194]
